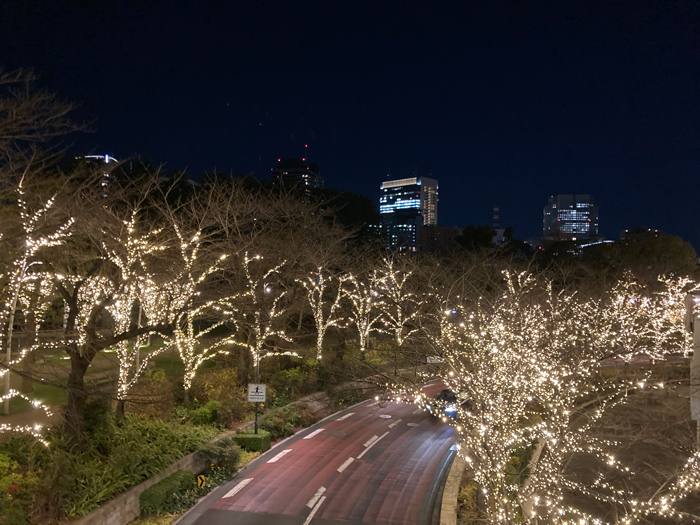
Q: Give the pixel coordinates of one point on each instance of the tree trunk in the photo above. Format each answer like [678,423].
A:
[30,359]
[77,396]
[28,371]
[301,318]
[186,399]
[120,409]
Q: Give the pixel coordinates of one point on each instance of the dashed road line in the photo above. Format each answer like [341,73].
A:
[345,416]
[418,411]
[370,441]
[315,432]
[313,511]
[395,423]
[373,443]
[314,500]
[346,464]
[235,490]
[280,455]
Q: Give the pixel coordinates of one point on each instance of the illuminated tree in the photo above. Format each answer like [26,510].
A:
[35,234]
[624,310]
[323,305]
[399,304]
[177,300]
[666,311]
[128,248]
[525,364]
[363,292]
[258,310]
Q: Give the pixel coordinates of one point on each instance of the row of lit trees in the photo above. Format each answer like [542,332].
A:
[527,351]
[206,272]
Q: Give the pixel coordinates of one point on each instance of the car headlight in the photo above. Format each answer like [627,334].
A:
[450,408]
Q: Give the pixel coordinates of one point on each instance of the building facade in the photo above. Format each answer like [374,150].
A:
[297,172]
[570,217]
[405,205]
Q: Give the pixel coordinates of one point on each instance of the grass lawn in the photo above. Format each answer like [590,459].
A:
[171,364]
[48,395]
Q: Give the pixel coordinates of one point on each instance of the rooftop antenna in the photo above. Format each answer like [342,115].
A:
[495,216]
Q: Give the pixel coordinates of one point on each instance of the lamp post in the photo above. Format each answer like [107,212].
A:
[692,323]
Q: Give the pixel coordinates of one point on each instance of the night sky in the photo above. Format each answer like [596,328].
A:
[503,102]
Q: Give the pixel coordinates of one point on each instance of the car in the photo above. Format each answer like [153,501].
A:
[452,402]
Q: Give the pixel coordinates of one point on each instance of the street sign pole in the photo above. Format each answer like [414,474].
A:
[256,394]
[257,380]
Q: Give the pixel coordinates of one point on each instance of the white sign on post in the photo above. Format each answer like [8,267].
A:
[256,393]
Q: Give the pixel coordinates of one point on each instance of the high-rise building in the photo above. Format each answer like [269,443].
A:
[106,163]
[297,172]
[404,206]
[570,217]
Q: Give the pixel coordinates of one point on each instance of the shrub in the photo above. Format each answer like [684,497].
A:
[281,422]
[206,415]
[252,442]
[222,385]
[15,492]
[159,498]
[224,454]
[467,496]
[75,484]
[152,396]
[276,424]
[347,396]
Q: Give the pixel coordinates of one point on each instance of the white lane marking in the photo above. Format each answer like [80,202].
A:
[413,424]
[280,456]
[313,511]
[373,443]
[235,490]
[418,411]
[345,416]
[370,441]
[385,416]
[313,500]
[346,464]
[314,433]
[395,423]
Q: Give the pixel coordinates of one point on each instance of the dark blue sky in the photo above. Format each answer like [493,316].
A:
[503,102]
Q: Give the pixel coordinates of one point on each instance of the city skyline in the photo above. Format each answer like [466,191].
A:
[504,104]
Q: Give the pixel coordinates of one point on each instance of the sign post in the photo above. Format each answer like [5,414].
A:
[256,394]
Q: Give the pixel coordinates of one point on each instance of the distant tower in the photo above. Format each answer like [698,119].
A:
[107,164]
[570,217]
[406,205]
[297,172]
[495,216]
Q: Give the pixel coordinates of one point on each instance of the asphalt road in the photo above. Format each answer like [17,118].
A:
[369,464]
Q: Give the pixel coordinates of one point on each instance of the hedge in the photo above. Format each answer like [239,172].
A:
[156,498]
[252,442]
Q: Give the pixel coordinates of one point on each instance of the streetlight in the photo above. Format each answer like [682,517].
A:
[692,324]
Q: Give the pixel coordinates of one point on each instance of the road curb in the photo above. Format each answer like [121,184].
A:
[448,511]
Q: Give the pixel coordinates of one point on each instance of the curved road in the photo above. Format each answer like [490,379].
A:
[369,464]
